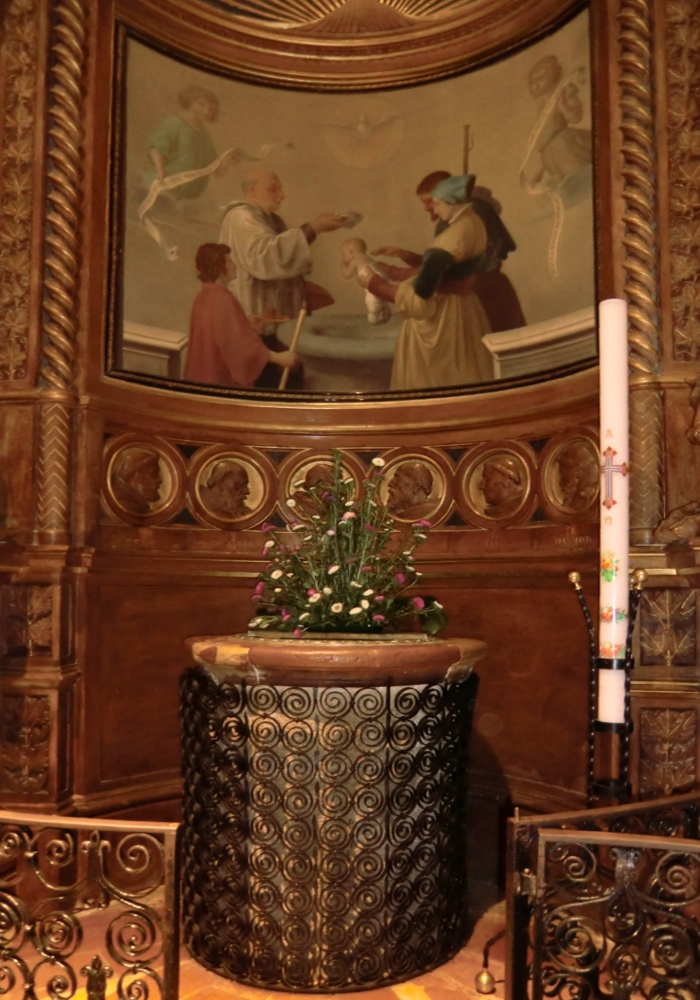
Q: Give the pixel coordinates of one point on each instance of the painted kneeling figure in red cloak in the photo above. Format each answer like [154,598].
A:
[225,347]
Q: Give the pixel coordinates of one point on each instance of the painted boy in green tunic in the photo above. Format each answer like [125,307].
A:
[182,142]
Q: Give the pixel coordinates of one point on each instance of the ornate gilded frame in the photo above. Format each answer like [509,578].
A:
[293,54]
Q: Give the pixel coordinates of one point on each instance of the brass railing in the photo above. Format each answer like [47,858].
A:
[605,903]
[86,901]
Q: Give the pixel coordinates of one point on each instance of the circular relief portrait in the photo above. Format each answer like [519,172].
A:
[570,476]
[497,487]
[316,477]
[229,488]
[413,488]
[302,483]
[140,481]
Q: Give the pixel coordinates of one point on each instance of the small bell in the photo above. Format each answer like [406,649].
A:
[485,983]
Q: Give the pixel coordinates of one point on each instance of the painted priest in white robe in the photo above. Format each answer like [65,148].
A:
[271,260]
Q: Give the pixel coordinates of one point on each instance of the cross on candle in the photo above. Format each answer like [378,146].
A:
[608,468]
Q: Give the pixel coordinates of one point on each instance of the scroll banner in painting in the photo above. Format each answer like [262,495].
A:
[235,155]
[552,122]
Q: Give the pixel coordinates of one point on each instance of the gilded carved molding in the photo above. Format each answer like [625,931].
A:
[668,751]
[148,480]
[668,631]
[25,731]
[61,265]
[27,619]
[19,53]
[345,16]
[683,82]
[308,11]
[646,460]
[342,44]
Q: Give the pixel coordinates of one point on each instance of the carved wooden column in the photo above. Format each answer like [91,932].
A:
[61,269]
[38,672]
[641,265]
[665,341]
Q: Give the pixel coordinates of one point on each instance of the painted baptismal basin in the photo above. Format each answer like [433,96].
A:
[343,353]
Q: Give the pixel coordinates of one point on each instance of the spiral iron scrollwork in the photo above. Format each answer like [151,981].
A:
[324,831]
[134,937]
[13,844]
[637,933]
[66,873]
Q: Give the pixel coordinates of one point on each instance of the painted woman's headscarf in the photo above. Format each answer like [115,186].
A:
[454,190]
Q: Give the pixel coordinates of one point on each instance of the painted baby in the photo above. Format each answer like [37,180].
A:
[353,256]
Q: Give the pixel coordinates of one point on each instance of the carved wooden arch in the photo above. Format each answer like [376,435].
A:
[438,39]
[343,44]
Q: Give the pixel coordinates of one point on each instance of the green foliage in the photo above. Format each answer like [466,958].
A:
[346,566]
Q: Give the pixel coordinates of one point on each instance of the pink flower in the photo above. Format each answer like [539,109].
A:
[422,523]
[369,527]
[418,603]
[310,592]
[378,618]
[298,633]
[267,527]
[379,597]
[259,587]
[256,597]
[285,615]
[366,569]
[400,578]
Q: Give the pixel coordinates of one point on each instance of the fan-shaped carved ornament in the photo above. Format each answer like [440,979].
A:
[344,16]
[337,44]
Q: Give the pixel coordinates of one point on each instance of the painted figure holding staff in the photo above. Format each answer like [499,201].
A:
[272,261]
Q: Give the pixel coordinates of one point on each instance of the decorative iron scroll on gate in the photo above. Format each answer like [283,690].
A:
[88,907]
[606,903]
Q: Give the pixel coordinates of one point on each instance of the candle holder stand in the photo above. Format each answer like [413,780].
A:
[609,742]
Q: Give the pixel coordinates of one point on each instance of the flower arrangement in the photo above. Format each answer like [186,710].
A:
[346,567]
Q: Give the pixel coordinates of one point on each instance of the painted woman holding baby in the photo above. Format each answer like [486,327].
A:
[440,341]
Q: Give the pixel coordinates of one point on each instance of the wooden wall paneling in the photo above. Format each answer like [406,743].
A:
[138,619]
[17,485]
[37,681]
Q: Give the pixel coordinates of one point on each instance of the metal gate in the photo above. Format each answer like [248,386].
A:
[605,903]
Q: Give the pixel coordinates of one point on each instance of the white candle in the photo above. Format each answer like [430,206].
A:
[611,696]
[614,504]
